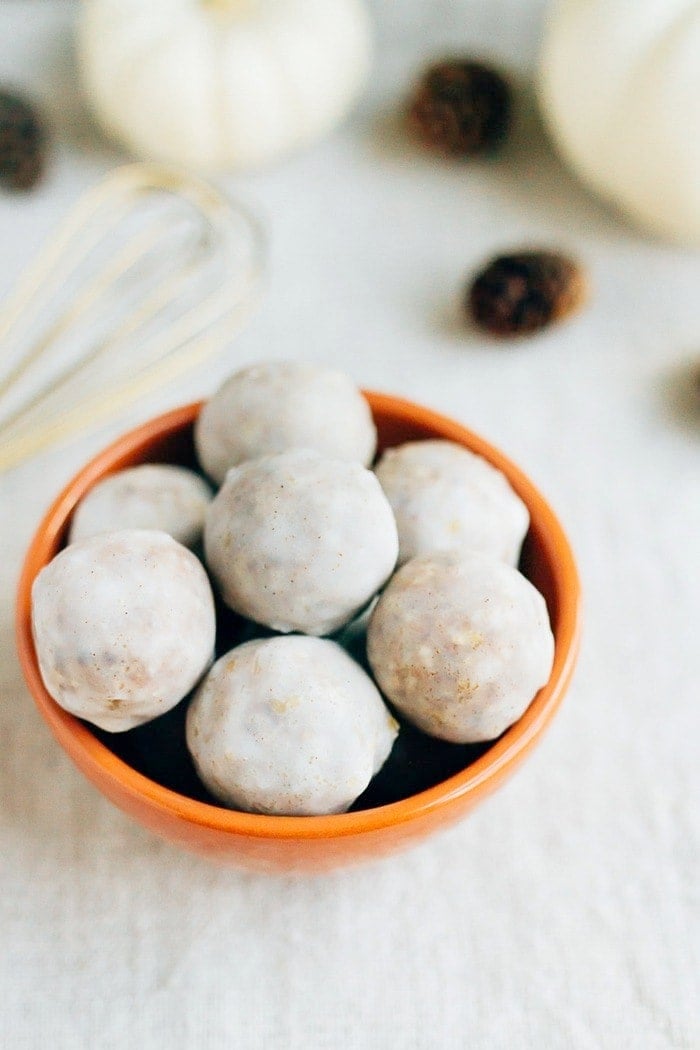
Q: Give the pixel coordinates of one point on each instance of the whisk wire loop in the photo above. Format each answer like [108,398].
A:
[121,302]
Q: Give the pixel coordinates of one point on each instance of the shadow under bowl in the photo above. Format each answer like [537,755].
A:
[425,785]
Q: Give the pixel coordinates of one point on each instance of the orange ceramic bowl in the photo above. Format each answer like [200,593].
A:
[309,843]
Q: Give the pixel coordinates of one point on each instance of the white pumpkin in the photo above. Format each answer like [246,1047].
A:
[220,85]
[619,86]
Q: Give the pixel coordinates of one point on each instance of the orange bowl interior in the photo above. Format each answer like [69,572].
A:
[308,843]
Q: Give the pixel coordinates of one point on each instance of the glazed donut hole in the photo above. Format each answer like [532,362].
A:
[279,405]
[300,542]
[151,496]
[460,643]
[288,725]
[446,498]
[123,625]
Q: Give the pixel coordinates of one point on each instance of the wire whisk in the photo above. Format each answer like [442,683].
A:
[152,272]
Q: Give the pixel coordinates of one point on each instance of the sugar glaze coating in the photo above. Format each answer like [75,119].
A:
[445,497]
[123,625]
[151,496]
[288,725]
[272,407]
[300,542]
[460,644]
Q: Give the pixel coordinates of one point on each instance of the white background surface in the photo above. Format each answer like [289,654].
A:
[564,912]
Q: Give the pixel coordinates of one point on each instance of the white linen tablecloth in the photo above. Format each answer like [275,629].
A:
[564,912]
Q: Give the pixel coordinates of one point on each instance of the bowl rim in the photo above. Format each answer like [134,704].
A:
[491,766]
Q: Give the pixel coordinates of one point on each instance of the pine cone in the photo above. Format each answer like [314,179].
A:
[524,292]
[21,143]
[462,108]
